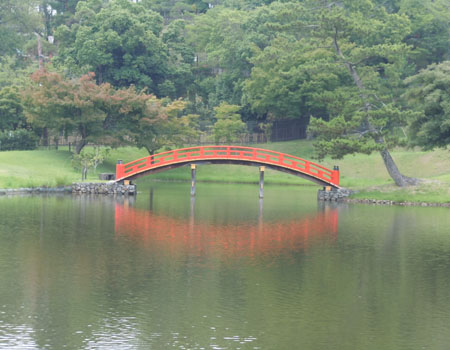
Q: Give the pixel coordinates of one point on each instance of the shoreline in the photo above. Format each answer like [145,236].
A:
[392,203]
[70,189]
[23,169]
[76,188]
[35,190]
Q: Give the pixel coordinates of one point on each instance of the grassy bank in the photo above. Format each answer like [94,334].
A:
[360,172]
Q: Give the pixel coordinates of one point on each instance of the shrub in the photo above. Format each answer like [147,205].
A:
[62,180]
[17,140]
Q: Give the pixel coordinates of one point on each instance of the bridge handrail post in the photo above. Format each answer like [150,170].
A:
[307,166]
[335,175]
[120,169]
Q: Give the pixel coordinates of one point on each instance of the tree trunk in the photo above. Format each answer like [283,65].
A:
[80,146]
[45,137]
[100,75]
[39,48]
[399,179]
[150,152]
[84,174]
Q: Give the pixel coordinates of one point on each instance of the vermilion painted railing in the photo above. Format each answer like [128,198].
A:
[228,153]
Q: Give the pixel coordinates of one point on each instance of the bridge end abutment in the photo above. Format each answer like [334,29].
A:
[329,193]
[120,169]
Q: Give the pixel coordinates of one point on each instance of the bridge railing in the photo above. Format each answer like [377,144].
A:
[257,155]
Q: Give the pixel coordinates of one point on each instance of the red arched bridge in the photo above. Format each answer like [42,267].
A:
[228,155]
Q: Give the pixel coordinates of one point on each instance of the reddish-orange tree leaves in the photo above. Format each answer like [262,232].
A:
[97,113]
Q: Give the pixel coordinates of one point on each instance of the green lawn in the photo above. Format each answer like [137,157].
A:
[35,168]
[361,172]
[51,167]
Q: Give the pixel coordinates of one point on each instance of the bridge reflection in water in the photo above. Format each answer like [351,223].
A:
[181,235]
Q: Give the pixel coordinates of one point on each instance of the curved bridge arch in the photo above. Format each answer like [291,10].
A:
[228,155]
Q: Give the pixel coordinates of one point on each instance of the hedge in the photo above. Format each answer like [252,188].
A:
[20,139]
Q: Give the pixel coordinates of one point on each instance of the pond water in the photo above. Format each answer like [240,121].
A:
[221,271]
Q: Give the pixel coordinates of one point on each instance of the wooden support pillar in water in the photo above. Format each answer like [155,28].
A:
[151,198]
[260,213]
[193,179]
[192,216]
[261,181]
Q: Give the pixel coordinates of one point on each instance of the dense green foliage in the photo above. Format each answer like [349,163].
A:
[11,110]
[124,43]
[430,91]
[17,140]
[229,125]
[101,114]
[18,23]
[364,46]
[87,159]
[345,67]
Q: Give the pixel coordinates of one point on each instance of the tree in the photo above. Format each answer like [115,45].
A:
[103,115]
[162,125]
[177,9]
[294,79]
[230,43]
[367,41]
[11,110]
[429,92]
[20,139]
[68,105]
[181,58]
[14,71]
[119,41]
[100,154]
[342,63]
[89,159]
[229,125]
[57,12]
[19,20]
[430,30]
[220,40]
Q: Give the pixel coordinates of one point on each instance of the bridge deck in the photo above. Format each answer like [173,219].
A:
[228,155]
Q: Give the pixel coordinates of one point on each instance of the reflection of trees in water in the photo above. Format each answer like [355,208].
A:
[388,284]
[46,290]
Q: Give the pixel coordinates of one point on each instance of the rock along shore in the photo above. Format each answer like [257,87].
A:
[342,194]
[35,190]
[103,188]
[112,188]
[388,202]
[333,195]
[109,188]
